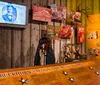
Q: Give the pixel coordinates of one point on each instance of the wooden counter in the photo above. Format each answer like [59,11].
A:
[78,73]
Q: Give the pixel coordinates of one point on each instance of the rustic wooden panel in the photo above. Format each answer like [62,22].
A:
[36,29]
[57,2]
[16,48]
[44,2]
[5,51]
[6,44]
[57,51]
[57,47]
[35,37]
[20,45]
[63,42]
[26,41]
[40,2]
[32,49]
[26,45]
[35,1]
[50,1]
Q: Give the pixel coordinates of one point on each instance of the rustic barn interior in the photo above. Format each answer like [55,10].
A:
[19,46]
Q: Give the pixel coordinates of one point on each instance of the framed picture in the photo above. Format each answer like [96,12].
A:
[58,12]
[66,31]
[53,32]
[75,16]
[42,14]
[81,34]
[50,31]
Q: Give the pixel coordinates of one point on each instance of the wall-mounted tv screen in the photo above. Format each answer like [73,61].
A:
[12,14]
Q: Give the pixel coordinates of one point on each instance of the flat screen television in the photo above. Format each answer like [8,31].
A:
[12,14]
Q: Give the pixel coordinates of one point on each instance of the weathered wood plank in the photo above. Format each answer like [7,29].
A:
[63,42]
[5,51]
[57,46]
[35,38]
[16,48]
[57,2]
[50,1]
[26,40]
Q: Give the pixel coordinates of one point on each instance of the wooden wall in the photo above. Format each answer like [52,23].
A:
[18,46]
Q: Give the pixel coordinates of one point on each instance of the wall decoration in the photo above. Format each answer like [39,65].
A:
[53,32]
[93,35]
[50,31]
[81,34]
[42,14]
[75,16]
[66,31]
[58,12]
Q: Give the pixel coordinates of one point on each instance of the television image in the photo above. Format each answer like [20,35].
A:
[12,14]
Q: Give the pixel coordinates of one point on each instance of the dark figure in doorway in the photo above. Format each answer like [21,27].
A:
[44,54]
[78,54]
